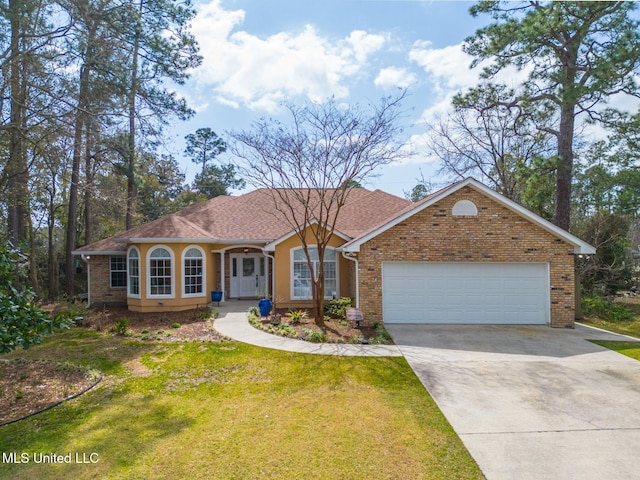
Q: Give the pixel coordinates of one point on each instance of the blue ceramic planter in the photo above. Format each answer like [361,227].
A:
[264,305]
[216,296]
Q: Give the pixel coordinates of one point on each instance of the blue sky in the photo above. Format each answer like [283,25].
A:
[258,53]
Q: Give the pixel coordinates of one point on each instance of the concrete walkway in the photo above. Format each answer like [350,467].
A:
[232,322]
[532,402]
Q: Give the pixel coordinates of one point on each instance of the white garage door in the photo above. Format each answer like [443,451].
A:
[475,293]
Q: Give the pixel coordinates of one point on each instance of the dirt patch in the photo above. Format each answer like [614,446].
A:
[188,326]
[27,387]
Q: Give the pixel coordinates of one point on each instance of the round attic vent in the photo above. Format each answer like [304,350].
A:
[465,208]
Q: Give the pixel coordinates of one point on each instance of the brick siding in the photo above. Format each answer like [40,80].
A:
[496,234]
[100,278]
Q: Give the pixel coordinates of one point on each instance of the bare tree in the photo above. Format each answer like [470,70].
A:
[495,143]
[309,166]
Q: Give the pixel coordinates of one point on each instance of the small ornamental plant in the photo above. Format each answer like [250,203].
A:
[296,316]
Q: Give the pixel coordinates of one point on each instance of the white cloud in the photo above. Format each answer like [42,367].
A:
[448,67]
[448,70]
[392,77]
[247,70]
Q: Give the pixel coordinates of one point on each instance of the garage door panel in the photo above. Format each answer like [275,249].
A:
[459,292]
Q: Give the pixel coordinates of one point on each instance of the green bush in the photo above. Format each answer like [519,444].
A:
[314,336]
[121,326]
[23,322]
[606,310]
[286,331]
[297,316]
[175,325]
[382,336]
[337,308]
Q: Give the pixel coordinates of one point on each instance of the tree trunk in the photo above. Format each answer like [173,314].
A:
[318,301]
[51,258]
[17,176]
[80,121]
[562,212]
[131,147]
[88,186]
[33,263]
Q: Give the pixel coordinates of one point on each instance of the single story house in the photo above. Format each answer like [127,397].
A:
[464,254]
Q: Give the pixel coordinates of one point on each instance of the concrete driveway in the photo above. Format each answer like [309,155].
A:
[532,402]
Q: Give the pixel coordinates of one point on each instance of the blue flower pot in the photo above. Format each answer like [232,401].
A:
[264,305]
[216,296]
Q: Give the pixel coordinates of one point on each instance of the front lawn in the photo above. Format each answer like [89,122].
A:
[630,349]
[229,410]
[621,316]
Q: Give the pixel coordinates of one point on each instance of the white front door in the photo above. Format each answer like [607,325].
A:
[248,275]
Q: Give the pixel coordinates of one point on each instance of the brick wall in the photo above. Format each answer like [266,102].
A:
[100,288]
[496,234]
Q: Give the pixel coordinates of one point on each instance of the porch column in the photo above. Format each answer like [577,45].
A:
[222,284]
[221,253]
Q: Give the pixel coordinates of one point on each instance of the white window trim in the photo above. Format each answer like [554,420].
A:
[129,294]
[126,263]
[464,208]
[173,272]
[327,295]
[204,273]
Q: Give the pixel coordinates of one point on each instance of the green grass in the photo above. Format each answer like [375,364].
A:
[630,349]
[231,410]
[623,318]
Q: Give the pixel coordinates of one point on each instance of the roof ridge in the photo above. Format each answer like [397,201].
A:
[180,218]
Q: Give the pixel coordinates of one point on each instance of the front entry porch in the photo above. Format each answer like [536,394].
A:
[243,272]
[248,276]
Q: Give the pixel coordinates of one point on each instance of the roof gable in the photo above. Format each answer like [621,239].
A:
[580,246]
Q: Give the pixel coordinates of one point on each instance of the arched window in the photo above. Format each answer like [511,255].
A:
[193,272]
[301,276]
[133,273]
[160,273]
[465,208]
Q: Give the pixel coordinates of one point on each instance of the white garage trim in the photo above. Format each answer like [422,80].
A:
[466,292]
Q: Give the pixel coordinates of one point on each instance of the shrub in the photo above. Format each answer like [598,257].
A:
[337,308]
[121,326]
[175,325]
[286,331]
[382,336]
[606,310]
[314,336]
[297,316]
[22,323]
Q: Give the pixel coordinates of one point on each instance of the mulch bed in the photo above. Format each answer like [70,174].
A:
[336,330]
[145,326]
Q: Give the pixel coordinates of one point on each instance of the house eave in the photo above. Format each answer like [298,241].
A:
[98,252]
[231,241]
[271,246]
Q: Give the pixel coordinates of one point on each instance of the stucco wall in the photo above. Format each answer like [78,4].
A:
[282,256]
[178,302]
[496,234]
